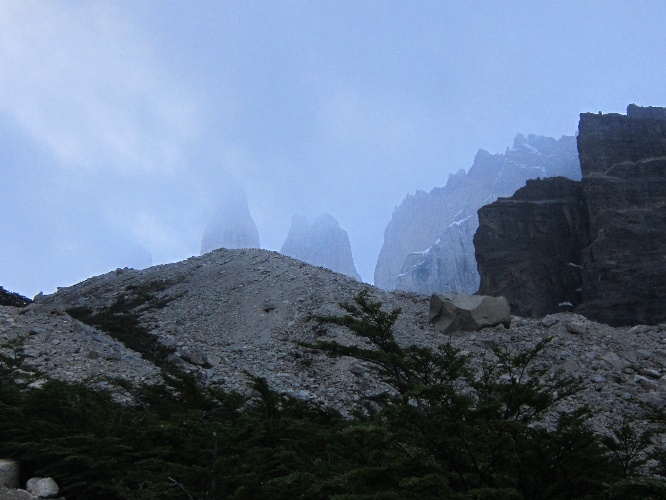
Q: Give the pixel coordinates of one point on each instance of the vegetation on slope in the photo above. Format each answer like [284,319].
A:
[121,320]
[8,298]
[445,430]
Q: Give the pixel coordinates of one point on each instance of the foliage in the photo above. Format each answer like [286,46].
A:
[445,429]
[121,319]
[8,298]
[477,430]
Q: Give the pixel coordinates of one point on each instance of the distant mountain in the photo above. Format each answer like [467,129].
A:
[428,242]
[323,243]
[232,226]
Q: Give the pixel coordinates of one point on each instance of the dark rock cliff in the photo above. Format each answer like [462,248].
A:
[623,160]
[529,247]
[612,225]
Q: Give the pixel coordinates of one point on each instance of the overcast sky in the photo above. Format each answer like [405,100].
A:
[123,122]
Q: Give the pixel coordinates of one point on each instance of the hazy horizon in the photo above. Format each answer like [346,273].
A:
[122,123]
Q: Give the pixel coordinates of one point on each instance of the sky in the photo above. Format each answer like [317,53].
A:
[123,123]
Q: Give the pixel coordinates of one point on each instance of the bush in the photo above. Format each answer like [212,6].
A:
[472,432]
[13,299]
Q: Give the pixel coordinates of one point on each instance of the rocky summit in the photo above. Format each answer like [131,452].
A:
[428,244]
[598,245]
[231,313]
[323,243]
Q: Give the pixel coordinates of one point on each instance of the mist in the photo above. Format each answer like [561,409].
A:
[125,125]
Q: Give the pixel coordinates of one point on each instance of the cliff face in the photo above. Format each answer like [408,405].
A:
[232,226]
[529,247]
[612,225]
[323,243]
[428,242]
[623,159]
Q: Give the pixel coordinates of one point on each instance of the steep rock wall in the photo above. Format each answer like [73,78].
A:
[623,160]
[428,242]
[528,247]
[621,252]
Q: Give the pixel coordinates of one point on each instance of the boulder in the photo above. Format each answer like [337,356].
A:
[13,494]
[615,361]
[42,487]
[9,473]
[577,327]
[212,360]
[194,357]
[451,312]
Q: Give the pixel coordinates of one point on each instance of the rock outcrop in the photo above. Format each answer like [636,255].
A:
[623,160]
[9,473]
[528,247]
[611,227]
[455,312]
[323,243]
[428,244]
[232,226]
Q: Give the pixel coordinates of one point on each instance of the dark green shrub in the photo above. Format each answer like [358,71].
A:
[13,299]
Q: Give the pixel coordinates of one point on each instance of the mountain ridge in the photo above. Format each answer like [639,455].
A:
[428,242]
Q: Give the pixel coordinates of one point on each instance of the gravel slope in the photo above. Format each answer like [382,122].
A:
[235,311]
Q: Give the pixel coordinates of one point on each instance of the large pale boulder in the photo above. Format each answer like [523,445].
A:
[9,473]
[452,312]
[42,487]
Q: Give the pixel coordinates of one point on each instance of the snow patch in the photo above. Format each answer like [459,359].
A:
[423,252]
[458,222]
[458,214]
[528,146]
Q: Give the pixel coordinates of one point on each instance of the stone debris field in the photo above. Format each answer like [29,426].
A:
[232,312]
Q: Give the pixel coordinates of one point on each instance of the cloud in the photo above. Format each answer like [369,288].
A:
[350,117]
[81,80]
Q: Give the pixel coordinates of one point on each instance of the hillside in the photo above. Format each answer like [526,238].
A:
[235,311]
